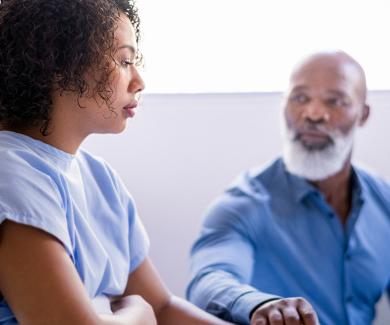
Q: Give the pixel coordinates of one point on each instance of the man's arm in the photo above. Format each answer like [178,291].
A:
[145,281]
[41,285]
[388,292]
[222,265]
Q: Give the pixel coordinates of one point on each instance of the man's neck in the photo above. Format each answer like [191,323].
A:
[337,191]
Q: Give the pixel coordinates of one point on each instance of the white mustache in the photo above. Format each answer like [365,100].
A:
[296,134]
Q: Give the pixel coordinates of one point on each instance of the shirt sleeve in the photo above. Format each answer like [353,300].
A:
[30,196]
[221,266]
[388,292]
[138,242]
[138,239]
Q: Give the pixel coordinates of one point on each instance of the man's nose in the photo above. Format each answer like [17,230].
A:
[316,112]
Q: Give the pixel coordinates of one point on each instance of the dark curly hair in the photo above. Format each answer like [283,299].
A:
[48,45]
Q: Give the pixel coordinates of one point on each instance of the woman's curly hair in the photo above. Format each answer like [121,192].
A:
[48,45]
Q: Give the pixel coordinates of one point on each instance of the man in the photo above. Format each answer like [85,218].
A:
[304,240]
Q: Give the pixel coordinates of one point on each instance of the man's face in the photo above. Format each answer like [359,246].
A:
[324,104]
[325,96]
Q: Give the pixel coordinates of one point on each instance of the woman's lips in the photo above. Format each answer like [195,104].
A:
[130,109]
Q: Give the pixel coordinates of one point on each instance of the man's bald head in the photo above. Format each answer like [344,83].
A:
[332,65]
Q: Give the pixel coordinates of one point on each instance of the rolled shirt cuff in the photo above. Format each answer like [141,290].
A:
[244,305]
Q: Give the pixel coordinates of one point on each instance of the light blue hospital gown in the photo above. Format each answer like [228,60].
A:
[79,200]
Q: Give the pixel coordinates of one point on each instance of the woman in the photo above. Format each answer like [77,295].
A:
[72,248]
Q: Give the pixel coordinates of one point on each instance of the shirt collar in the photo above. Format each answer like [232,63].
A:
[359,189]
[302,188]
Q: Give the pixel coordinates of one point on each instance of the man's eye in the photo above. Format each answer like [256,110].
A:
[336,102]
[299,98]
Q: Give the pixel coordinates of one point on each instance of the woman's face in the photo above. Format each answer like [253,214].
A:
[126,84]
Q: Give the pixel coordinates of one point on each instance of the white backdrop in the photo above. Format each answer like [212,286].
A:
[249,45]
[181,151]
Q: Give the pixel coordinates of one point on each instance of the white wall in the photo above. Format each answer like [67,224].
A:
[182,150]
[256,42]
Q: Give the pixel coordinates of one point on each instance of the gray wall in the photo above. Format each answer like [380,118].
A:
[182,150]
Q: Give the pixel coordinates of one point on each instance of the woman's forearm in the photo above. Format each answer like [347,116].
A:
[130,310]
[179,311]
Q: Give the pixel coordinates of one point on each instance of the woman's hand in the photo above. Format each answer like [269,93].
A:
[134,307]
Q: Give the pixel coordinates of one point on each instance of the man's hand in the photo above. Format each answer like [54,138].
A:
[289,311]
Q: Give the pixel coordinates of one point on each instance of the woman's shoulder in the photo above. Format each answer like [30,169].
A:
[96,167]
[18,158]
[30,155]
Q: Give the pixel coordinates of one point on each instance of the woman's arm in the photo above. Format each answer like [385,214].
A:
[145,281]
[41,285]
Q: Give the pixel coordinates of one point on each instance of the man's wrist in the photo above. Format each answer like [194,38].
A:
[261,304]
[245,303]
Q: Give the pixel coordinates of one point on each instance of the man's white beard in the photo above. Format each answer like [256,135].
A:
[316,164]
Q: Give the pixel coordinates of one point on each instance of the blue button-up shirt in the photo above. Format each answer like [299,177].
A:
[274,235]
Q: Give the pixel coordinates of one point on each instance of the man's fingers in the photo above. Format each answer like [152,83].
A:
[289,311]
[259,320]
[308,315]
[291,316]
[275,317]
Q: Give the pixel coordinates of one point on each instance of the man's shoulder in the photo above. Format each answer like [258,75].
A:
[375,183]
[268,172]
[247,200]
[257,183]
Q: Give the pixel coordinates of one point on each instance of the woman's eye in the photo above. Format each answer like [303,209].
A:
[127,62]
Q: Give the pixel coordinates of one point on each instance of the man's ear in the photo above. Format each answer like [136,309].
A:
[365,115]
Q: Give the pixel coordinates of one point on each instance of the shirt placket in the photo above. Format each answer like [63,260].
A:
[345,235]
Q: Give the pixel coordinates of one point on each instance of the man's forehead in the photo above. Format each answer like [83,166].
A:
[336,66]
[327,75]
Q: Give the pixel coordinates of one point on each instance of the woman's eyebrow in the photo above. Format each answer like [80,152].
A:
[130,47]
